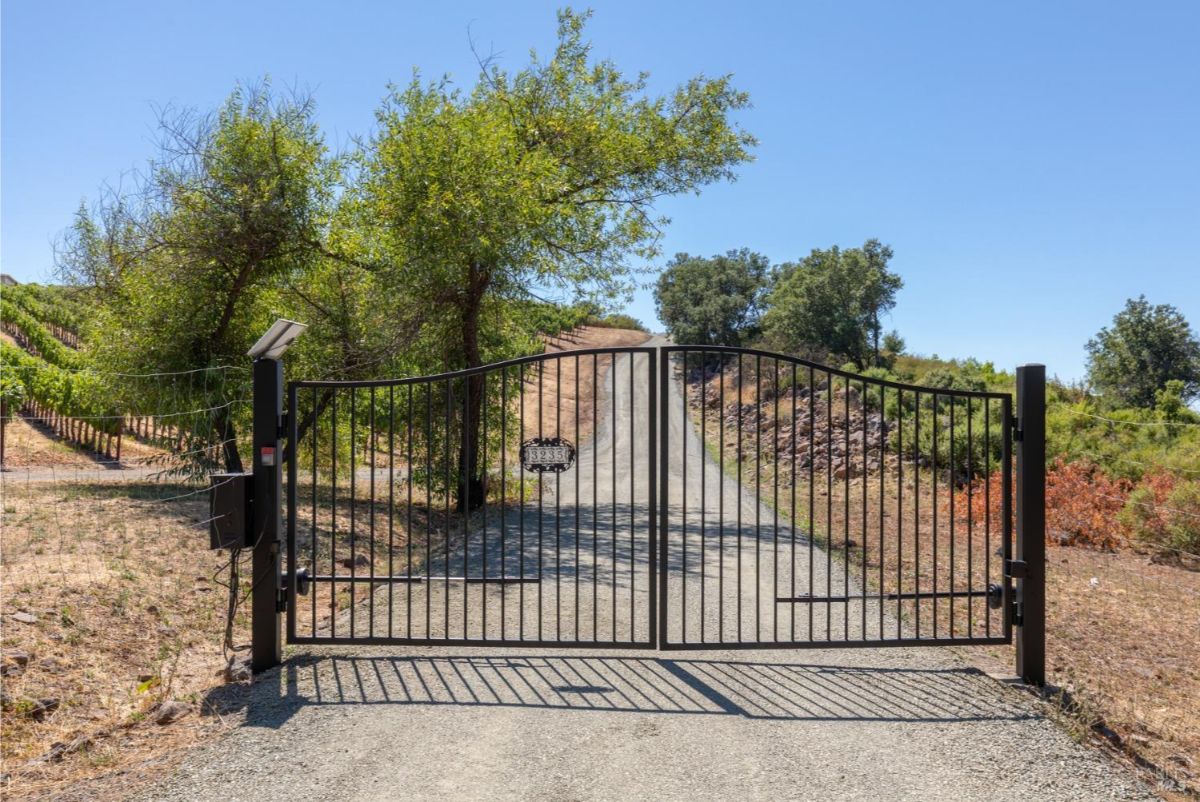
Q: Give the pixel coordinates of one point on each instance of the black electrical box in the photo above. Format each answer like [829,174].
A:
[230,510]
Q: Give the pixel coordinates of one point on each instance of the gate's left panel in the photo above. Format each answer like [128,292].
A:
[508,504]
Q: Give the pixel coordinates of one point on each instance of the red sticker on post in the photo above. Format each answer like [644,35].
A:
[267,453]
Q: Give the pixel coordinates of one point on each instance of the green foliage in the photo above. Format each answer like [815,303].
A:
[1146,347]
[49,305]
[616,320]
[72,394]
[715,301]
[12,393]
[542,178]
[829,304]
[1183,510]
[48,347]
[234,214]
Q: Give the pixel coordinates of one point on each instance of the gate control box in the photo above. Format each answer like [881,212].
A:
[230,510]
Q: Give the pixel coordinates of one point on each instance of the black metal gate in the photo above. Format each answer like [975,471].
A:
[807,506]
[685,497]
[511,503]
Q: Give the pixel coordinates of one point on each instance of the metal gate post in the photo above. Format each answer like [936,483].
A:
[1031,524]
[267,650]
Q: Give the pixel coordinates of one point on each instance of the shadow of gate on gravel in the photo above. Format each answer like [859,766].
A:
[755,690]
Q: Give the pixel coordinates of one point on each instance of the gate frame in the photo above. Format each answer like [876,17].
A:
[273,592]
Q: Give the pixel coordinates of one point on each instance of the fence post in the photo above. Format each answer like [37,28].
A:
[266,650]
[1031,523]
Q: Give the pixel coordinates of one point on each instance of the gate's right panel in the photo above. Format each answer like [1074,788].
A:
[806,506]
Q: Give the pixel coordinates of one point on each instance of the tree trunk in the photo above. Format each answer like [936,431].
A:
[471,486]
[227,435]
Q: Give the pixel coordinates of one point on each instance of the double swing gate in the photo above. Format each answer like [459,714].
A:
[682,497]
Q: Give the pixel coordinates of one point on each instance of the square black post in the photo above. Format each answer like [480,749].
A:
[266,650]
[1031,523]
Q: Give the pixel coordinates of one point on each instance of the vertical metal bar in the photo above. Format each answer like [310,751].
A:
[541,495]
[683,606]
[663,366]
[353,589]
[792,519]
[828,505]
[313,537]
[521,515]
[409,525]
[612,372]
[970,525]
[812,495]
[720,510]
[934,507]
[740,460]
[483,490]
[952,484]
[333,527]
[987,507]
[917,514]
[503,502]
[1008,430]
[653,500]
[757,496]
[846,510]
[558,427]
[391,503]
[632,492]
[371,527]
[446,441]
[883,429]
[578,445]
[863,535]
[464,482]
[775,467]
[1031,522]
[595,498]
[428,509]
[703,489]
[899,508]
[293,456]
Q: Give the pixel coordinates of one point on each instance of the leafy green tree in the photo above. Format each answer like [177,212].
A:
[830,303]
[231,213]
[544,179]
[716,301]
[1146,347]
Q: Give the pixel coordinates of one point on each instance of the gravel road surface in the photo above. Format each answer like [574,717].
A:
[559,724]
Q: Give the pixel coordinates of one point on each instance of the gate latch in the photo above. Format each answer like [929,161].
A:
[1015,568]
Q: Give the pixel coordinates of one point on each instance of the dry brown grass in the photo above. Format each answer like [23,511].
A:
[128,614]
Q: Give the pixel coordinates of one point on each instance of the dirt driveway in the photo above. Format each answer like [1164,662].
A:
[521,723]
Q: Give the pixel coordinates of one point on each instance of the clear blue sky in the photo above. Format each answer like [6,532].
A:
[1032,164]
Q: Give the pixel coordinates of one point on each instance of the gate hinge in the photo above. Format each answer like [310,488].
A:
[1017,433]
[284,420]
[1018,614]
[281,600]
[1017,569]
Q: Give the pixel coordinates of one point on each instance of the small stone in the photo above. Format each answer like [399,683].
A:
[145,677]
[238,670]
[17,656]
[51,665]
[43,708]
[24,618]
[61,749]
[152,609]
[359,561]
[168,632]
[170,712]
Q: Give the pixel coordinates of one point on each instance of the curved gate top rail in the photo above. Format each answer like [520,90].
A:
[832,371]
[680,497]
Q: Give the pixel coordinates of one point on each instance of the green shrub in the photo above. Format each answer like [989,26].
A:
[1183,521]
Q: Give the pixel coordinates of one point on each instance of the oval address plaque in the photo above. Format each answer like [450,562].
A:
[547,455]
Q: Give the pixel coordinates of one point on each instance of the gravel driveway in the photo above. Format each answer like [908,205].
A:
[522,723]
